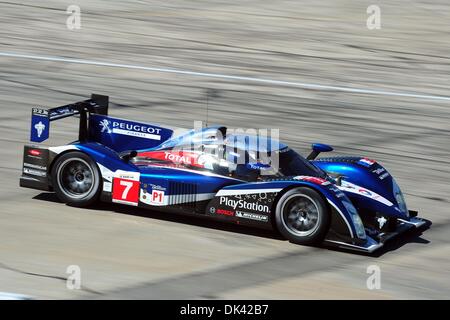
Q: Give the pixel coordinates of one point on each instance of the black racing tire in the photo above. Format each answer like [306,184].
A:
[76,179]
[302,216]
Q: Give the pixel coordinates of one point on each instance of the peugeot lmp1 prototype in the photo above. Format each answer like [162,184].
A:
[349,202]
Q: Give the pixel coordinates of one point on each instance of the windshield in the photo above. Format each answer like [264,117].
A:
[293,164]
[287,163]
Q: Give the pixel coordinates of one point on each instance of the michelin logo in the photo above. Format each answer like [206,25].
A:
[130,129]
[252,216]
[40,127]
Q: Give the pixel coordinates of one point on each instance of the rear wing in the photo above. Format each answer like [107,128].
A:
[41,118]
[95,125]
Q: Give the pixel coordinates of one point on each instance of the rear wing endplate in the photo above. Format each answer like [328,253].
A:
[41,118]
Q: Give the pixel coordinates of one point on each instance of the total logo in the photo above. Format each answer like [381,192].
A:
[178,158]
[130,129]
[242,204]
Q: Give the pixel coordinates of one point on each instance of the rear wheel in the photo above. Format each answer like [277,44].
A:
[302,216]
[76,179]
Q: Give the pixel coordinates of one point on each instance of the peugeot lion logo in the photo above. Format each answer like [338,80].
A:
[40,127]
[381,221]
[105,126]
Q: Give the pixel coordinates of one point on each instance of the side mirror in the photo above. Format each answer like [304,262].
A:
[317,148]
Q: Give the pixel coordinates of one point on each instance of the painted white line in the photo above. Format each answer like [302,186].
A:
[310,86]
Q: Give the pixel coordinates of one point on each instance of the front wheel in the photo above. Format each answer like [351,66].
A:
[302,216]
[76,179]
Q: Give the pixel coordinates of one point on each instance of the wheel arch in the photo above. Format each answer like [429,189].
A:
[291,187]
[59,155]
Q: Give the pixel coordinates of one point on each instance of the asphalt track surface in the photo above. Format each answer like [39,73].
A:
[129,253]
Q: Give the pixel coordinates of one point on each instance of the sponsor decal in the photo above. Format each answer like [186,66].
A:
[379,171]
[34,172]
[366,162]
[177,157]
[40,127]
[242,204]
[180,158]
[157,197]
[258,166]
[154,195]
[381,221]
[125,188]
[353,188]
[315,180]
[104,124]
[35,166]
[212,210]
[157,187]
[107,186]
[384,175]
[252,216]
[365,192]
[130,129]
[62,111]
[225,212]
[338,192]
[40,112]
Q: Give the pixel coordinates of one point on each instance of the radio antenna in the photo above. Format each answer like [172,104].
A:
[207,107]
[213,93]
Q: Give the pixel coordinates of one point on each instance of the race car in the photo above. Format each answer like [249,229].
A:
[348,202]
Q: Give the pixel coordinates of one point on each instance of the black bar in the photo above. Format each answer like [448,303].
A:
[98,104]
[83,130]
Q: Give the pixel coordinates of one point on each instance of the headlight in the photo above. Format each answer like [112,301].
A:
[399,197]
[360,232]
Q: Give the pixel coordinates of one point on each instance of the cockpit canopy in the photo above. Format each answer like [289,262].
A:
[242,155]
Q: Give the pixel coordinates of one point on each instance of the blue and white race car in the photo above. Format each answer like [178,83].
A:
[349,202]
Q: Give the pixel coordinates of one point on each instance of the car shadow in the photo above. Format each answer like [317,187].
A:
[410,236]
[193,220]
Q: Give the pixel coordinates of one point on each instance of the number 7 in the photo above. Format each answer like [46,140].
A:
[127,185]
